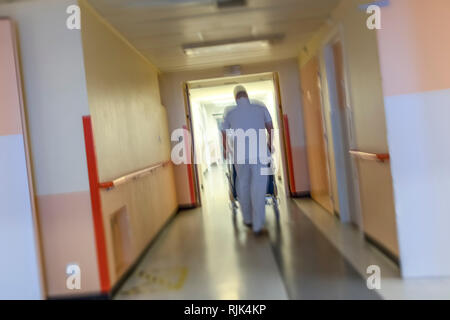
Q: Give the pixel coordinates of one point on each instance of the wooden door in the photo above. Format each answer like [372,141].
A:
[315,137]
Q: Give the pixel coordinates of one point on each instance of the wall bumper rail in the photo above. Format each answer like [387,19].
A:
[108,185]
[380,157]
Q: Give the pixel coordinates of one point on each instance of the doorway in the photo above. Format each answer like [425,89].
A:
[316,135]
[338,121]
[206,102]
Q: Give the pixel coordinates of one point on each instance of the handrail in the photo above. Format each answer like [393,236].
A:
[382,157]
[131,176]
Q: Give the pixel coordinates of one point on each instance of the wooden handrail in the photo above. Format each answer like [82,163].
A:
[131,176]
[382,157]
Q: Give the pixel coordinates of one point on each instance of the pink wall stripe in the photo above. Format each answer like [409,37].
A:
[414,46]
[10,121]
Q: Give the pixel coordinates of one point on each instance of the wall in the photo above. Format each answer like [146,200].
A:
[20,272]
[131,133]
[414,48]
[173,99]
[368,116]
[55,100]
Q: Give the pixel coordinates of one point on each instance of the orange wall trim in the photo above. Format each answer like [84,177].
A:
[96,205]
[289,155]
[189,167]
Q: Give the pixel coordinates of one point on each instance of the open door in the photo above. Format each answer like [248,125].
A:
[287,150]
[341,129]
[194,184]
[316,135]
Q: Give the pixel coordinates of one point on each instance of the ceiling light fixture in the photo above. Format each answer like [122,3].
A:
[230,46]
[227,48]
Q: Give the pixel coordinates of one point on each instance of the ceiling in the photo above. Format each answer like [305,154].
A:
[159,28]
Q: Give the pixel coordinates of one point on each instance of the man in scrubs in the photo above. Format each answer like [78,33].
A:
[245,125]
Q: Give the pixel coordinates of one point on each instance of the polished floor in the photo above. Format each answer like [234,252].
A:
[207,253]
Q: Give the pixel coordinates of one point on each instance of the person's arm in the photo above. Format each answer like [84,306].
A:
[269,128]
[224,143]
[225,125]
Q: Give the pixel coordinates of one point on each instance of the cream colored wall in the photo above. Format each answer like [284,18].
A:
[130,132]
[366,99]
[172,97]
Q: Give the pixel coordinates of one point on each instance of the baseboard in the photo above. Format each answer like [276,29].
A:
[187,206]
[392,256]
[87,296]
[302,194]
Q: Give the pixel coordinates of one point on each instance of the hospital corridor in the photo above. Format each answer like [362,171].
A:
[214,256]
[213,151]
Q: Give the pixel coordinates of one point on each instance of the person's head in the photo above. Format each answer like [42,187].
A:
[240,92]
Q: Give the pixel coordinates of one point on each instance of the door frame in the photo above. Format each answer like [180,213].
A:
[286,152]
[348,183]
[193,169]
[326,136]
[316,141]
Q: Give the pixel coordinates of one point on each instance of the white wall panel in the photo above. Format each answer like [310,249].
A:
[19,269]
[418,136]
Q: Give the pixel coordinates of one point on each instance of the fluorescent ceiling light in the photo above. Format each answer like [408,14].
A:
[224,48]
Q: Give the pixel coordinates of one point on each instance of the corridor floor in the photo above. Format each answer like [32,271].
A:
[206,253]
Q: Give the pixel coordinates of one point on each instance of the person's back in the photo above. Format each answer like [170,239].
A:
[251,117]
[246,124]
[247,115]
